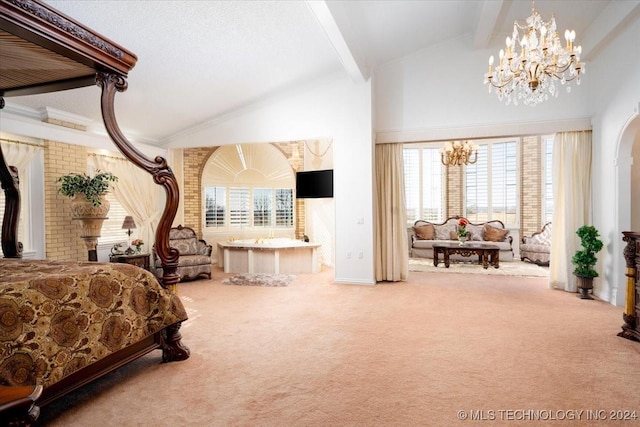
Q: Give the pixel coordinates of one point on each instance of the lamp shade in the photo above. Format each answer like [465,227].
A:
[128,223]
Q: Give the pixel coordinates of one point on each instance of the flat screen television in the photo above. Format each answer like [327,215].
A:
[314,184]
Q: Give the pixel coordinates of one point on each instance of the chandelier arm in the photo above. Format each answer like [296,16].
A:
[500,86]
[559,76]
[562,69]
[475,158]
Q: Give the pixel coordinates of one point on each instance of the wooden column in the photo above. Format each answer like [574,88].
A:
[631,327]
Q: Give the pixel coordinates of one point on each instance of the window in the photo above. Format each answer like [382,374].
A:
[284,207]
[262,207]
[268,204]
[215,206]
[477,188]
[112,231]
[239,206]
[423,184]
[547,176]
[491,184]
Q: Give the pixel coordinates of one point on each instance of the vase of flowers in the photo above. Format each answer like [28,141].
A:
[463,234]
[138,243]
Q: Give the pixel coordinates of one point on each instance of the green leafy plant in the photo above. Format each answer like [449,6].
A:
[92,187]
[585,259]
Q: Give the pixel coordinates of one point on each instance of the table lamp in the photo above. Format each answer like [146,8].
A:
[128,225]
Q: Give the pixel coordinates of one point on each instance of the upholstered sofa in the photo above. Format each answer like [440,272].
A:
[424,234]
[537,247]
[195,254]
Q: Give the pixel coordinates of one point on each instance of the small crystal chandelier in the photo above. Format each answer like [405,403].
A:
[532,75]
[458,153]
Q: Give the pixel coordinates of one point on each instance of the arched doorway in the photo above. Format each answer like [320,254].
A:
[628,190]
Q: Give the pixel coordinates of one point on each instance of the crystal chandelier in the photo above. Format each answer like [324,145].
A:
[532,74]
[458,153]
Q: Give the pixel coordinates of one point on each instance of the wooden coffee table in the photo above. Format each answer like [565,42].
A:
[488,254]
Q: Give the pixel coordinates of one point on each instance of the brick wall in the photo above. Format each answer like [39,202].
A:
[62,234]
[65,124]
[453,188]
[530,185]
[194,160]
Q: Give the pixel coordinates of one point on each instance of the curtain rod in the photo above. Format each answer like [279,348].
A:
[14,141]
[108,157]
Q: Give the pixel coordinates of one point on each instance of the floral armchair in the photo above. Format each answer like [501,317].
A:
[537,247]
[195,254]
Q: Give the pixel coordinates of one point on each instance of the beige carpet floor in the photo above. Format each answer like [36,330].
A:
[434,351]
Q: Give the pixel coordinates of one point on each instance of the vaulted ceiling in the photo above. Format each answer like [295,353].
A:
[199,60]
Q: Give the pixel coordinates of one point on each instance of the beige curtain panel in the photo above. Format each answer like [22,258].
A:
[572,196]
[392,254]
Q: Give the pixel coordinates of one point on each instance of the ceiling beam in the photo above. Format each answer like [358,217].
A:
[607,25]
[487,22]
[328,24]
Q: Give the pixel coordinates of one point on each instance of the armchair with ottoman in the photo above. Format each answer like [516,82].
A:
[424,234]
[195,254]
[537,247]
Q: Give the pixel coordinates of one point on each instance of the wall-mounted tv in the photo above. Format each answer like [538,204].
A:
[314,184]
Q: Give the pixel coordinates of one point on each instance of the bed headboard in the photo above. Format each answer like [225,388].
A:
[70,55]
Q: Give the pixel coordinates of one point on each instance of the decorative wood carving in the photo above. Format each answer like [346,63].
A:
[68,26]
[10,182]
[631,327]
[158,168]
[80,50]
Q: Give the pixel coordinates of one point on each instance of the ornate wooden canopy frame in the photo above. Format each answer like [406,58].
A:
[44,50]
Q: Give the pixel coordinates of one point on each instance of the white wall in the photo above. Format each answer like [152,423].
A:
[436,94]
[334,108]
[615,100]
[635,190]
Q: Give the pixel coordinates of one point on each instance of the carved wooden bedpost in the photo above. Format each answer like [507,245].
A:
[11,247]
[629,329]
[158,168]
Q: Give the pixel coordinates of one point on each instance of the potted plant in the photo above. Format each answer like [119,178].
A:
[92,188]
[585,259]
[89,204]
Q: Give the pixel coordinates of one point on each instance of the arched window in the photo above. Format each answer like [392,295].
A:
[247,185]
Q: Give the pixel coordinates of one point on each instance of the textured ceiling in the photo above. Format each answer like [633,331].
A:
[198,60]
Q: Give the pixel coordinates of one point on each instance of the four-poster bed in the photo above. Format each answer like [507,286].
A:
[41,51]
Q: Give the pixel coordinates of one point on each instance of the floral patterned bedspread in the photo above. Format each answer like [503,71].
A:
[57,317]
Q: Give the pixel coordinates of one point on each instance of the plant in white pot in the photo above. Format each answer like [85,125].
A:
[89,204]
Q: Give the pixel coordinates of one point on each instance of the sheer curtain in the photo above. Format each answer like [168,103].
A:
[392,254]
[136,192]
[19,154]
[572,196]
